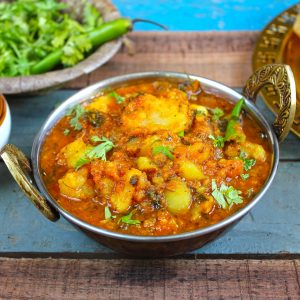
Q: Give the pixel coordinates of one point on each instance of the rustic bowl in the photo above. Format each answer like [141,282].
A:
[280,76]
[52,80]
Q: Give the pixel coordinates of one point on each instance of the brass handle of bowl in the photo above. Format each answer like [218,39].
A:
[19,166]
[281,79]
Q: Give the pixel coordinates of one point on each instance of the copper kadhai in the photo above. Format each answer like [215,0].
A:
[279,44]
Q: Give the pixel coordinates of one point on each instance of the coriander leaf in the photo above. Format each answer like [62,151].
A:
[163,150]
[66,131]
[243,155]
[95,139]
[128,220]
[181,133]
[217,113]
[118,98]
[107,214]
[226,195]
[233,196]
[30,30]
[74,49]
[77,112]
[80,162]
[218,195]
[91,16]
[248,162]
[218,141]
[245,176]
[214,185]
[98,151]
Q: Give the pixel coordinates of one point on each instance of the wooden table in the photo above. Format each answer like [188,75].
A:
[258,258]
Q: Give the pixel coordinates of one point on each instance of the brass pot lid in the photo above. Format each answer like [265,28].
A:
[278,43]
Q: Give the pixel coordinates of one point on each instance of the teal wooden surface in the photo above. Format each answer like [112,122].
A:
[204,14]
[272,227]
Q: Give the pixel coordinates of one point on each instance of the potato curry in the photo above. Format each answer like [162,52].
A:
[155,158]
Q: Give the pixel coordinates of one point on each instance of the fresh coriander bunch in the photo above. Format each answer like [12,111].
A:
[31,30]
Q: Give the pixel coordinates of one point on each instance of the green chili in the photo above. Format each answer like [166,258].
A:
[110,31]
[105,33]
[48,63]
[231,133]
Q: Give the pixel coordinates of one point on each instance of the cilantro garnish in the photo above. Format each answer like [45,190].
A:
[163,150]
[98,151]
[217,141]
[226,196]
[217,113]
[181,133]
[32,30]
[66,131]
[118,98]
[81,162]
[95,139]
[245,176]
[128,220]
[91,16]
[74,49]
[107,214]
[77,112]
[248,162]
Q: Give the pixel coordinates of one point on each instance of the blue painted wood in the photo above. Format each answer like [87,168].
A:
[204,14]
[272,227]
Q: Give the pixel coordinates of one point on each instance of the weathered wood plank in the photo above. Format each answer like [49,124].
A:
[148,279]
[225,57]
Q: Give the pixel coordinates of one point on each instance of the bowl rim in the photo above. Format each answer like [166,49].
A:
[86,93]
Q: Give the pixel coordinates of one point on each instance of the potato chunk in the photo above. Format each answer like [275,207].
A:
[255,151]
[105,104]
[191,171]
[148,113]
[178,197]
[76,185]
[122,197]
[145,164]
[74,151]
[128,190]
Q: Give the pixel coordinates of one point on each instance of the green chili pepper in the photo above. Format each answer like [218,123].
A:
[48,63]
[105,33]
[110,31]
[231,133]
[97,37]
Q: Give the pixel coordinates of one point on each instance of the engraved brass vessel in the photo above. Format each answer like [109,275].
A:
[278,44]
[279,76]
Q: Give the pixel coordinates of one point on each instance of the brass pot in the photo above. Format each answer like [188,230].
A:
[279,76]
